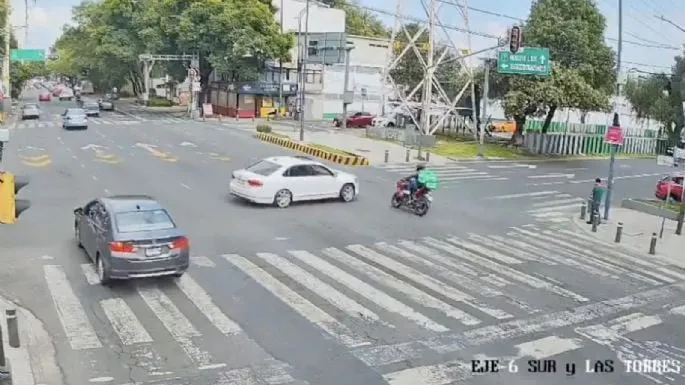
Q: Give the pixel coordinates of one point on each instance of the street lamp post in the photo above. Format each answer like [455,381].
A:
[614,147]
[302,57]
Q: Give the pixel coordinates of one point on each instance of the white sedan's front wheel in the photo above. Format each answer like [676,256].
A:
[283,198]
[347,192]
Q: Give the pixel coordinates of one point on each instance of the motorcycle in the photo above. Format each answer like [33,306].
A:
[419,203]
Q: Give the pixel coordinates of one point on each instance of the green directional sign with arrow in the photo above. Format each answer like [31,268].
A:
[528,61]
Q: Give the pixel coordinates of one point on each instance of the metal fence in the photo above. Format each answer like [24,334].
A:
[586,139]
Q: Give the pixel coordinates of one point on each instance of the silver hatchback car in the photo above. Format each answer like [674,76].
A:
[74,118]
[131,236]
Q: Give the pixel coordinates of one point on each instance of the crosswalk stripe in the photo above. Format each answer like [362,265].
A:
[90,273]
[606,333]
[180,328]
[517,253]
[440,374]
[547,347]
[365,290]
[447,274]
[322,289]
[74,319]
[523,195]
[432,284]
[205,304]
[560,202]
[410,291]
[557,208]
[502,269]
[298,303]
[485,251]
[463,267]
[278,374]
[124,322]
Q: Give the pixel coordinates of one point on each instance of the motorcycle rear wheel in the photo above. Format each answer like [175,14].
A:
[395,202]
[421,207]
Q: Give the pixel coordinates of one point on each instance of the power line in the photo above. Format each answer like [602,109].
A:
[646,65]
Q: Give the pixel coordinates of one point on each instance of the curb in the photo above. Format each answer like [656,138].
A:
[647,208]
[352,160]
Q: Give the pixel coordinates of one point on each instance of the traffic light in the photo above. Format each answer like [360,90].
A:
[10,207]
[515,39]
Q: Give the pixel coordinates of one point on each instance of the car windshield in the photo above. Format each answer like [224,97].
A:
[30,107]
[75,112]
[264,168]
[91,105]
[143,220]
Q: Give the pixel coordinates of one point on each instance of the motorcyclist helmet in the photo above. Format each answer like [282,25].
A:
[420,167]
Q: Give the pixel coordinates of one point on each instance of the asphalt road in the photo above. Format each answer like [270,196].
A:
[324,293]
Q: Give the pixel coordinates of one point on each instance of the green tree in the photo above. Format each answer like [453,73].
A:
[359,21]
[583,75]
[21,72]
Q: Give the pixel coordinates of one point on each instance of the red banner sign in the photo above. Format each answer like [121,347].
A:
[614,135]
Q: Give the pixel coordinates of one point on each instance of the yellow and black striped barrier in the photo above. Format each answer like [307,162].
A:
[347,160]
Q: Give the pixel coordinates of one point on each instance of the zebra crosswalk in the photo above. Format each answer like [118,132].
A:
[431,297]
[548,206]
[450,173]
[105,121]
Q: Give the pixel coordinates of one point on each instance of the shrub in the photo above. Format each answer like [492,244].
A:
[160,102]
[264,128]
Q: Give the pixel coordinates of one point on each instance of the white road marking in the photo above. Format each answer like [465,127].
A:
[432,284]
[202,261]
[367,291]
[440,374]
[298,303]
[522,253]
[277,374]
[505,270]
[552,175]
[606,333]
[322,289]
[376,356]
[90,273]
[386,279]
[185,186]
[548,346]
[124,322]
[175,322]
[545,210]
[206,305]
[559,202]
[429,253]
[523,195]
[77,327]
[485,251]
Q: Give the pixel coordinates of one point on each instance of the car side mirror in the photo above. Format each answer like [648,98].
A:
[78,211]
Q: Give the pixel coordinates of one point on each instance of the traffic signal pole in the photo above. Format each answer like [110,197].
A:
[614,147]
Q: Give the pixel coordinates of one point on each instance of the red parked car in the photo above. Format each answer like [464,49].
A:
[675,181]
[44,97]
[358,119]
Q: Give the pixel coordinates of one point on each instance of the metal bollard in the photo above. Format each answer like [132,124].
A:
[619,232]
[595,223]
[3,360]
[12,327]
[652,245]
[387,156]
[428,156]
[583,212]
[408,156]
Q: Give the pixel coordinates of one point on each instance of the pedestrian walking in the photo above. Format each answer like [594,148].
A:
[596,198]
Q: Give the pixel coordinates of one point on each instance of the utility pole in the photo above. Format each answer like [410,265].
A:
[280,72]
[484,119]
[614,147]
[7,104]
[305,57]
[346,86]
[474,115]
[428,79]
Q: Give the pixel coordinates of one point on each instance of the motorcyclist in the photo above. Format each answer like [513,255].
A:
[414,184]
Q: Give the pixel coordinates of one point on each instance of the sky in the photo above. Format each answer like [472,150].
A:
[650,44]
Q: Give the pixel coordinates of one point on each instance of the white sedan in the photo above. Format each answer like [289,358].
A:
[281,180]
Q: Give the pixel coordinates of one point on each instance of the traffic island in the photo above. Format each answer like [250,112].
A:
[319,151]
[668,210]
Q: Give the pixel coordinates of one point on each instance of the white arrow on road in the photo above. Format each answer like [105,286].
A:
[188,144]
[553,175]
[32,148]
[152,149]
[93,147]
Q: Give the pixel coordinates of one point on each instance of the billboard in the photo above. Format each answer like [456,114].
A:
[326,48]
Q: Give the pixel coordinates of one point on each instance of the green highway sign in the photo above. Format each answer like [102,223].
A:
[528,61]
[27,55]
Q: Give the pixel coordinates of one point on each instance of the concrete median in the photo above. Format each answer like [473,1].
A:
[347,160]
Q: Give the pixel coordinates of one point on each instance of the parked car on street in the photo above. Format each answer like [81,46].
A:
[131,236]
[673,184]
[358,119]
[281,180]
